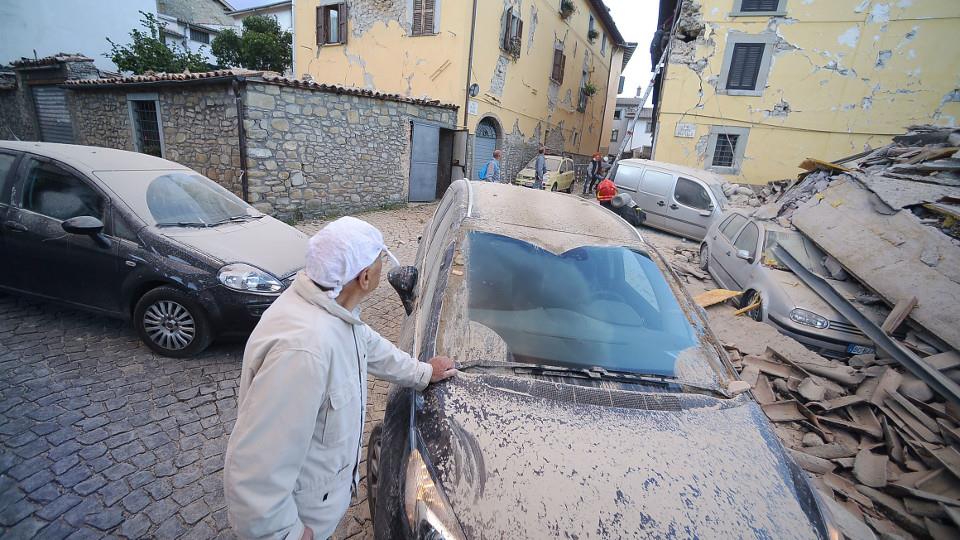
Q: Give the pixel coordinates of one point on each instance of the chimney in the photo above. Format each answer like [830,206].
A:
[640,90]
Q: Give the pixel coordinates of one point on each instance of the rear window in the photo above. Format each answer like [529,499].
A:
[592,306]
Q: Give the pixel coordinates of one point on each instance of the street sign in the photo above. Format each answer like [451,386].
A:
[472,107]
[687,131]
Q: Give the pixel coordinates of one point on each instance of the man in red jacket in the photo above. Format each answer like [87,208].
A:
[606,191]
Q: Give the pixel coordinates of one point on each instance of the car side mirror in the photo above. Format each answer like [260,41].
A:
[707,212]
[745,255]
[404,280]
[88,226]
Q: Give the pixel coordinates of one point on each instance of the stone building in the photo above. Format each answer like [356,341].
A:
[291,148]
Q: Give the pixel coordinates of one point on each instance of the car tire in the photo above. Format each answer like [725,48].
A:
[749,298]
[704,257]
[374,450]
[172,323]
[554,187]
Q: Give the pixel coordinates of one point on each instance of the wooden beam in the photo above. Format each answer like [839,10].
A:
[899,314]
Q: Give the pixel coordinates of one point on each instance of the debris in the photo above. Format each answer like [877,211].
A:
[747,309]
[899,314]
[810,390]
[850,525]
[715,296]
[812,464]
[812,439]
[763,391]
[870,469]
[783,411]
[895,509]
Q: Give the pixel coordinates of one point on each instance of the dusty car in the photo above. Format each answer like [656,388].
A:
[141,238]
[676,199]
[738,253]
[559,176]
[592,400]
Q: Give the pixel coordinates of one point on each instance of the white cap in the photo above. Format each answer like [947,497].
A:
[341,250]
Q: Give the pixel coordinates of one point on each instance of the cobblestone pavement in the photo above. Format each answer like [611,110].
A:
[100,437]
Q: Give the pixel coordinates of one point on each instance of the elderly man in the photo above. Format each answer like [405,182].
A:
[292,460]
[491,171]
[540,168]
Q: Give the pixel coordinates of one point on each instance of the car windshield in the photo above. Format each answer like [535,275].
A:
[177,198]
[806,253]
[592,306]
[553,163]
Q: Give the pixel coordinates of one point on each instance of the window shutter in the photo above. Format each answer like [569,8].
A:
[506,29]
[343,22]
[759,5]
[745,66]
[429,9]
[321,39]
[563,65]
[417,18]
[555,73]
[519,35]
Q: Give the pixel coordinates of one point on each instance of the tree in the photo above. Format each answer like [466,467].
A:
[262,45]
[148,51]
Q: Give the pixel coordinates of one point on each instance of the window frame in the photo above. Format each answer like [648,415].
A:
[617,114]
[738,151]
[135,130]
[507,34]
[23,168]
[322,28]
[434,18]
[712,204]
[614,135]
[738,11]
[733,38]
[562,64]
[198,31]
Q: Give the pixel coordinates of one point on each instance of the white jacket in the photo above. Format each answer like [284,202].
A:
[303,391]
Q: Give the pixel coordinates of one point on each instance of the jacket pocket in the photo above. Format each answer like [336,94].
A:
[341,414]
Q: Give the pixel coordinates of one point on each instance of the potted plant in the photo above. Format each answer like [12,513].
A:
[592,35]
[589,89]
[566,8]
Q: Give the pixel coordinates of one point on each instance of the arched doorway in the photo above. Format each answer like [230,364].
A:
[484,143]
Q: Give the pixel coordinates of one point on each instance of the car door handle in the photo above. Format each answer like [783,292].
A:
[661,203]
[674,206]
[728,254]
[15,226]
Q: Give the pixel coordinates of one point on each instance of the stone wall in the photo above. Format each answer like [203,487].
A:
[313,152]
[17,119]
[199,126]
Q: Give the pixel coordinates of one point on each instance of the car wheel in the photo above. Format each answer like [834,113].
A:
[704,257]
[172,323]
[748,299]
[554,187]
[374,447]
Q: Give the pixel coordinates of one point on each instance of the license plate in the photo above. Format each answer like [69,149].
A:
[860,349]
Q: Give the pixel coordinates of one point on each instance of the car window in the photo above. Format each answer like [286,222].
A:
[55,192]
[732,226]
[6,174]
[692,194]
[627,177]
[593,306]
[657,182]
[802,249]
[748,239]
[121,228]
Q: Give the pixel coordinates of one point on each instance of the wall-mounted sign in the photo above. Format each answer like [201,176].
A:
[472,108]
[687,131]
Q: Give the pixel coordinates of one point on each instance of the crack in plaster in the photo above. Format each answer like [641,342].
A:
[534,20]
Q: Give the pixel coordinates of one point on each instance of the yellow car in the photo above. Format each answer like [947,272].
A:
[559,175]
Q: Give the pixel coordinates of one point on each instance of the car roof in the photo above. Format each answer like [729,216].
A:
[699,174]
[93,158]
[555,221]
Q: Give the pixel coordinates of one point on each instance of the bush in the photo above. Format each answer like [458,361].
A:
[262,45]
[148,51]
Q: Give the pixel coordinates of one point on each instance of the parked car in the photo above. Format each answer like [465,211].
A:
[559,175]
[141,238]
[592,398]
[738,253]
[676,199]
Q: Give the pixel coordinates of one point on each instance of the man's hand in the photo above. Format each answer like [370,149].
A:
[443,368]
[307,533]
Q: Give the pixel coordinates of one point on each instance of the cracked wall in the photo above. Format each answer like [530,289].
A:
[843,76]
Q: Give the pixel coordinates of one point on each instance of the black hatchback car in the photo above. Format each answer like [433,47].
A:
[593,401]
[142,238]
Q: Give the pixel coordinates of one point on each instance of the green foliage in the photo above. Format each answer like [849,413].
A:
[589,89]
[593,34]
[262,45]
[148,51]
[566,8]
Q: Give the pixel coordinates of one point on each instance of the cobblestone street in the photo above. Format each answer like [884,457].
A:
[100,437]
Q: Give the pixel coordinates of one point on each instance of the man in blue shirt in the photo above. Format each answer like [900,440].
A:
[540,169]
[493,168]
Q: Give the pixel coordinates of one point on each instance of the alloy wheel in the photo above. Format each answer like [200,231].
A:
[374,448]
[169,324]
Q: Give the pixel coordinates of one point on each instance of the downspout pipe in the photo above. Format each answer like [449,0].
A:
[466,99]
[238,84]
[603,115]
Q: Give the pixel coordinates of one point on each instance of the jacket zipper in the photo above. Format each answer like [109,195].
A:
[356,456]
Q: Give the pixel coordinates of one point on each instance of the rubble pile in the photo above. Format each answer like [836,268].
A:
[879,444]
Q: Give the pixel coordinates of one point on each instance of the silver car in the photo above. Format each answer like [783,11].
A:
[737,252]
[676,199]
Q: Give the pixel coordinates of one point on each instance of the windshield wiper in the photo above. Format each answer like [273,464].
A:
[662,379]
[183,224]
[235,219]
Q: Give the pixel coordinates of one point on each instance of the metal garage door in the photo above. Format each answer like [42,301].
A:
[52,114]
[423,163]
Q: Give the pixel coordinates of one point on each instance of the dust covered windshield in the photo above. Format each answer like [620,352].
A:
[552,163]
[591,306]
[797,245]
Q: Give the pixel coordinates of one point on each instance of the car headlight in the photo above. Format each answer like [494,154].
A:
[246,278]
[428,511]
[808,318]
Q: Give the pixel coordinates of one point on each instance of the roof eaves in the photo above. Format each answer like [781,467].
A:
[254,9]
[312,85]
[607,21]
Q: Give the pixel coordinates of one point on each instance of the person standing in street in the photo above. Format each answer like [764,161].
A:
[540,169]
[292,459]
[491,172]
[594,170]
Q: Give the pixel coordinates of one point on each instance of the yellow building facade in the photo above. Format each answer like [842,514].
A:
[753,87]
[529,61]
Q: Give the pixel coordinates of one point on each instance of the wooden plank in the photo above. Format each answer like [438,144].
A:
[749,308]
[898,314]
[715,296]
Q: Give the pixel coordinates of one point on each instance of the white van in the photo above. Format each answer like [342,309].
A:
[676,199]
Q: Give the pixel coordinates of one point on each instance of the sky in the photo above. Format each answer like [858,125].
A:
[636,20]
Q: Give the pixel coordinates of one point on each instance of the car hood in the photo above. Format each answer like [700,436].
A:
[798,294]
[516,464]
[527,172]
[267,243]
